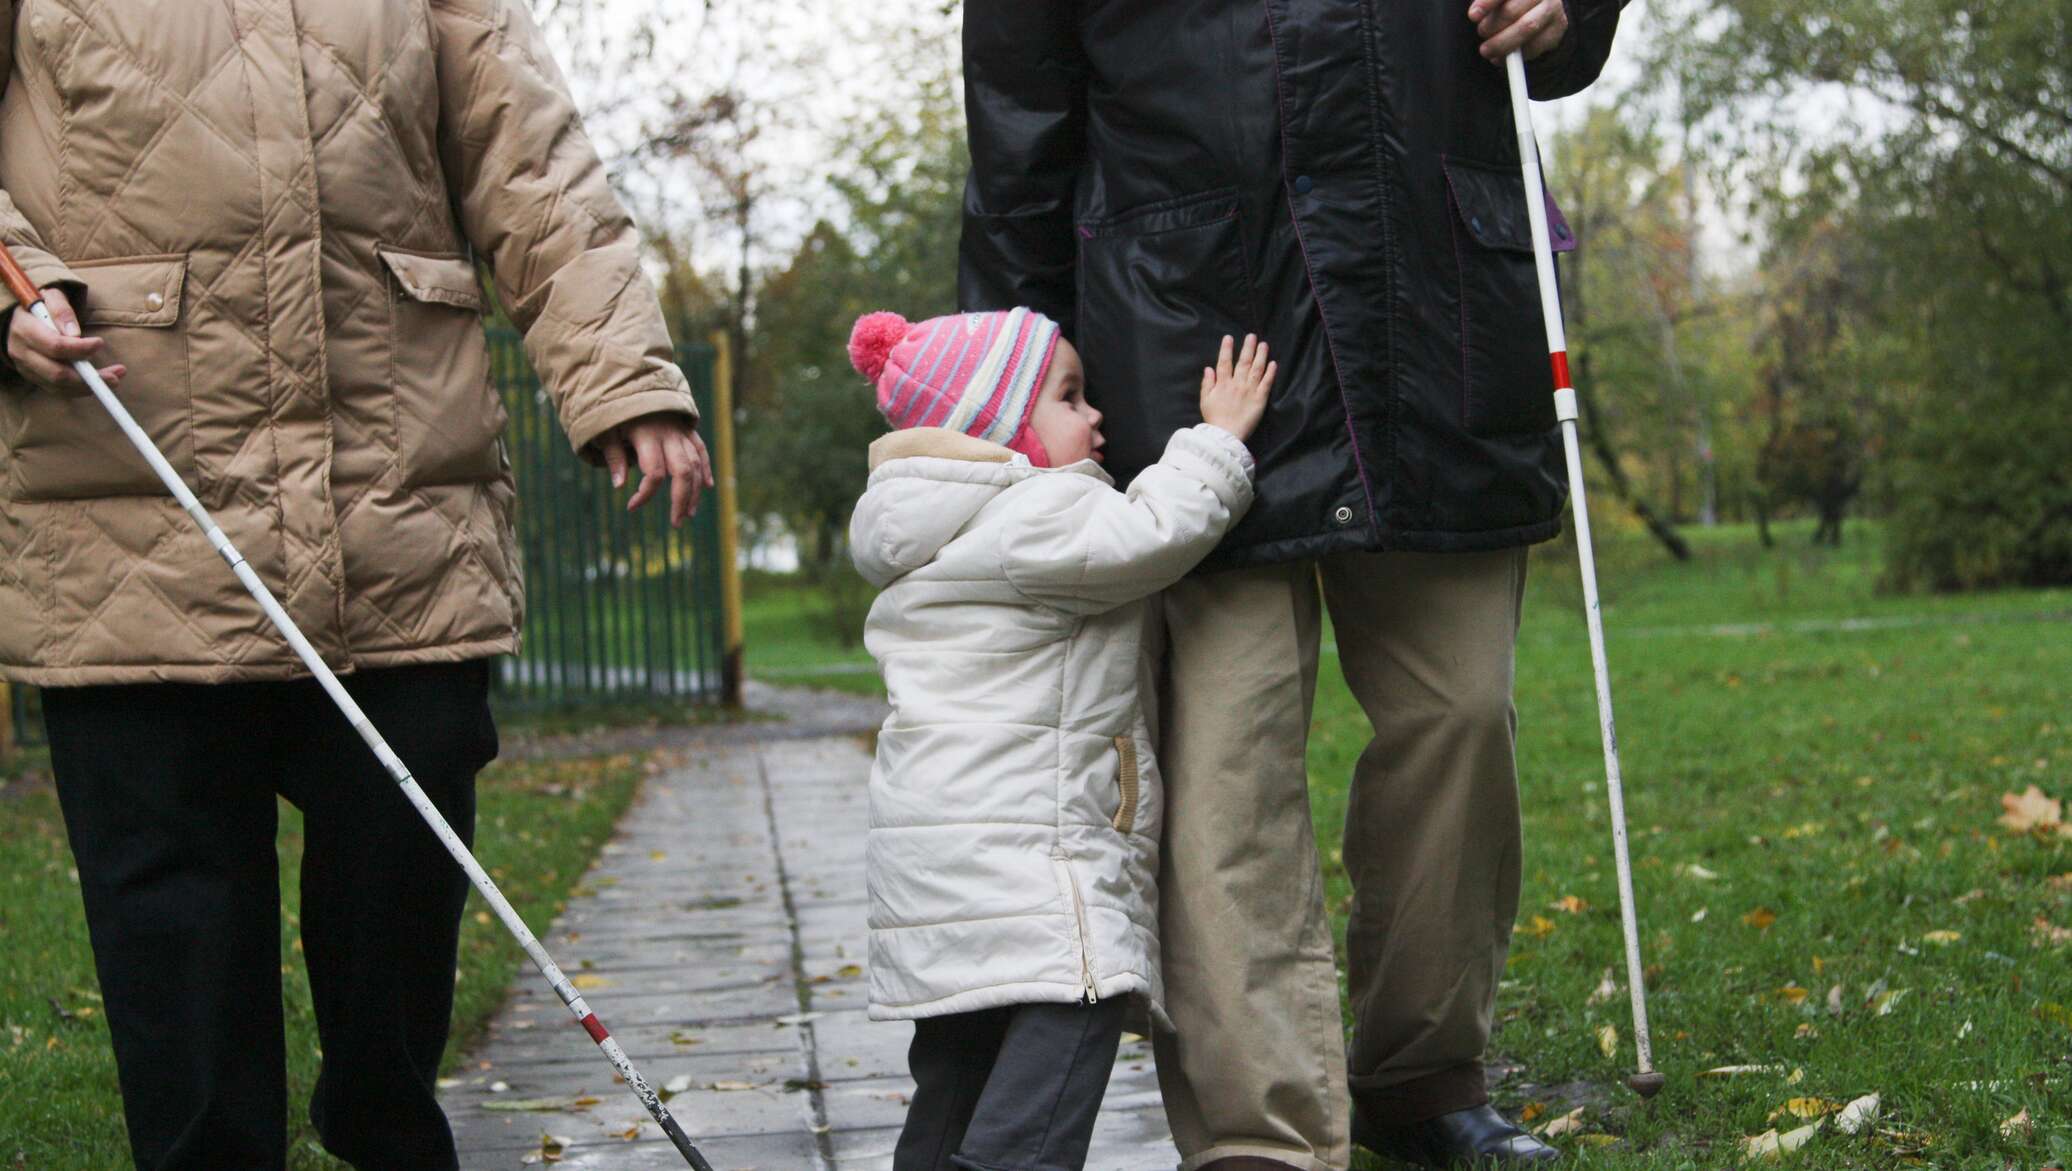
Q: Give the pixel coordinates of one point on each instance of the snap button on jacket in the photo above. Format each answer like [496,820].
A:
[272,210]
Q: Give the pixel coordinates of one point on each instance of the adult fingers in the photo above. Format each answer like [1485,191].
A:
[30,335]
[685,479]
[704,458]
[1550,36]
[61,312]
[1499,15]
[654,467]
[1516,25]
[46,373]
[614,449]
[1223,358]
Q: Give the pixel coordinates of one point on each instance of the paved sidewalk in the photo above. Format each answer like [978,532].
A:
[721,938]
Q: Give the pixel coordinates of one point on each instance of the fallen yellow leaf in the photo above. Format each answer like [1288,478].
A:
[1792,994]
[2051,935]
[1761,918]
[1570,904]
[1608,1040]
[1568,1123]
[1804,1108]
[1858,1114]
[587,981]
[1738,1070]
[2016,1127]
[1532,1110]
[1770,1144]
[2031,812]
[1540,927]
[1942,938]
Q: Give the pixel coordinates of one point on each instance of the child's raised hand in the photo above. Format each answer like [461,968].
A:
[1233,394]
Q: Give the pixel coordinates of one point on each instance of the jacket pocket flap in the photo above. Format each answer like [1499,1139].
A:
[442,280]
[140,291]
[1491,202]
[1167,215]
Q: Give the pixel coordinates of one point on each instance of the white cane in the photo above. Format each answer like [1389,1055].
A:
[31,298]
[1645,1081]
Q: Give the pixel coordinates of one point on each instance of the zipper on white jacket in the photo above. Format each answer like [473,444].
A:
[1086,953]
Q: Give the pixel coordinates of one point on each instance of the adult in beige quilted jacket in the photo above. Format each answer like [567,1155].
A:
[265,217]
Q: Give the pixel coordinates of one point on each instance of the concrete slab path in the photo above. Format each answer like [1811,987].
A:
[720,936]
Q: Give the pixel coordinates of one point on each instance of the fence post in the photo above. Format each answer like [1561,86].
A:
[729,515]
[7,743]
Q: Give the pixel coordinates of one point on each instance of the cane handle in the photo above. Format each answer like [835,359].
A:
[18,282]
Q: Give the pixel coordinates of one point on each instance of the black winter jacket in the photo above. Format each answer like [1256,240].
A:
[1338,176]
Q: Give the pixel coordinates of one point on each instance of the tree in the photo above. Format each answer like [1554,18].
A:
[892,245]
[1943,166]
[1627,290]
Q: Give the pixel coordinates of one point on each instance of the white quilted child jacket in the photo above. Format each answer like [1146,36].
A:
[1015,807]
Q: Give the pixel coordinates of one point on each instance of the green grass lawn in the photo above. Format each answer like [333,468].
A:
[539,824]
[1814,807]
[790,635]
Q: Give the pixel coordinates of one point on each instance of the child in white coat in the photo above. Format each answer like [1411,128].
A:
[1015,805]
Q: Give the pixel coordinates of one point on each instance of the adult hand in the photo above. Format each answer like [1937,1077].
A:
[45,355]
[1536,26]
[664,447]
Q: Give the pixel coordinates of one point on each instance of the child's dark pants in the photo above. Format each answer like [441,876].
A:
[1008,1089]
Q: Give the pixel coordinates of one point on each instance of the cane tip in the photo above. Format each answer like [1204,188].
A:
[1647,1085]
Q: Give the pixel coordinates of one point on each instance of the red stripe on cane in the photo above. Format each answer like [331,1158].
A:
[1560,360]
[595,1028]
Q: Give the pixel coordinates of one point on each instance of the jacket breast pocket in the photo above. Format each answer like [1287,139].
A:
[1506,385]
[1159,287]
[448,415]
[67,446]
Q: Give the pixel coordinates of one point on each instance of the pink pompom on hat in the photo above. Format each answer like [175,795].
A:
[978,373]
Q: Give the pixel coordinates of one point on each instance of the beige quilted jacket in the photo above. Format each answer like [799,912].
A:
[269,205]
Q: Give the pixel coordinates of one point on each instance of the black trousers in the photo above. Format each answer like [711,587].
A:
[169,794]
[1008,1089]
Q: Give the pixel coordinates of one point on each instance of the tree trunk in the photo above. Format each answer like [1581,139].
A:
[1598,437]
[1599,440]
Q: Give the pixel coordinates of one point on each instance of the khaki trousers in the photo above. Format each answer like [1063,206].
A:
[1258,1065]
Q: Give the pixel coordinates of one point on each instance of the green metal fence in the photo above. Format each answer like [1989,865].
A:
[619,606]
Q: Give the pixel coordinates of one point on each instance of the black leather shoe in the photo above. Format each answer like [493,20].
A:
[1475,1137]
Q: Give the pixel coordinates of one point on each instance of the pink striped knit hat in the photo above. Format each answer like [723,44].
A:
[972,372]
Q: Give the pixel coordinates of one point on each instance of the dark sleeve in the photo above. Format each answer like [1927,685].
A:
[1025,98]
[1580,57]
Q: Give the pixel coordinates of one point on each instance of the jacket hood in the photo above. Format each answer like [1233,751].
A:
[926,486]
